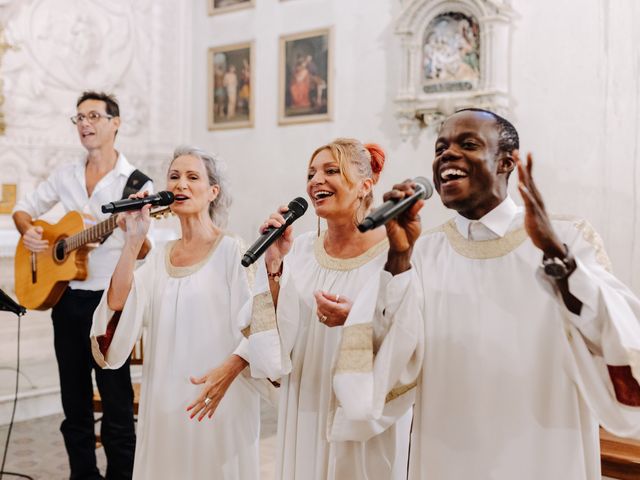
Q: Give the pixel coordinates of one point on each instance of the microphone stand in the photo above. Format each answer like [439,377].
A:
[7,304]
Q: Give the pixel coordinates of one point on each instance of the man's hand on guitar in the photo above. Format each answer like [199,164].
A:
[135,223]
[32,239]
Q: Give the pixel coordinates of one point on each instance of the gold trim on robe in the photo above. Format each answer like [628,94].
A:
[399,391]
[332,263]
[484,249]
[356,350]
[263,314]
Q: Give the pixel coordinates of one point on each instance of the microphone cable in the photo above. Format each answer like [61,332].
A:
[13,414]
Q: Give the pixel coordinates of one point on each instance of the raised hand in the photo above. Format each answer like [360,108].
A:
[135,223]
[403,230]
[332,310]
[278,249]
[536,220]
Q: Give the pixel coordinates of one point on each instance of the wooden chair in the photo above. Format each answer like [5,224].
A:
[137,356]
[620,457]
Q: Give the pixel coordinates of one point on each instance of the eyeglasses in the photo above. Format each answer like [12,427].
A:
[92,117]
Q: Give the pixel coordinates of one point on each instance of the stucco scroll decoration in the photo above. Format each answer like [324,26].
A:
[73,46]
[455,54]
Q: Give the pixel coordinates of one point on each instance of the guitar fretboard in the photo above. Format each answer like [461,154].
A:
[91,234]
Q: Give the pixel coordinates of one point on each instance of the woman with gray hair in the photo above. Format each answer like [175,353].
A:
[187,295]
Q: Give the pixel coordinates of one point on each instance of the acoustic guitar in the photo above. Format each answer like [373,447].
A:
[41,278]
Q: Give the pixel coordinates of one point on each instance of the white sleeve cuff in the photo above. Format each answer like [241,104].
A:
[242,350]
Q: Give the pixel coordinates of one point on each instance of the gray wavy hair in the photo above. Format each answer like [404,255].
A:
[216,172]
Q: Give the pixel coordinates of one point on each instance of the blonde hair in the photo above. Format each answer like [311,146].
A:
[365,160]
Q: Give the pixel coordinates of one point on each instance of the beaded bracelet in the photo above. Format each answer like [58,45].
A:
[275,276]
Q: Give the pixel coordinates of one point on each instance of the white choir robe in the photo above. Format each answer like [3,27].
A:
[315,442]
[511,385]
[191,318]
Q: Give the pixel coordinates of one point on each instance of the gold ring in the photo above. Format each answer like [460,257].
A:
[323,318]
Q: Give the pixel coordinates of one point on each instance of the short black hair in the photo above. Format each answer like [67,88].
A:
[109,99]
[508,139]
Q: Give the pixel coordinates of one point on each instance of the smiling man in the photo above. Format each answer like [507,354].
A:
[520,340]
[102,176]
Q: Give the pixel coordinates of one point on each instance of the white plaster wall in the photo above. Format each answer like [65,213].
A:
[575,82]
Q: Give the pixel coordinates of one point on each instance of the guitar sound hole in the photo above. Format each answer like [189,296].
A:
[58,251]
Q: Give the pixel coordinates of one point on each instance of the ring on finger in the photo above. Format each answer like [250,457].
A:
[338,298]
[323,319]
[207,401]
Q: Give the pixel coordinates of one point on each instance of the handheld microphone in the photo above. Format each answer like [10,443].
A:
[392,208]
[9,305]
[126,204]
[297,207]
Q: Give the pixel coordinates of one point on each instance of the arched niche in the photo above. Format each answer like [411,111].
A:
[455,54]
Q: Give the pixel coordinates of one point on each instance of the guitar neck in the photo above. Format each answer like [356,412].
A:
[91,234]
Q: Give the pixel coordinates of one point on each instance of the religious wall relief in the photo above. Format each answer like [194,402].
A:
[451,53]
[455,54]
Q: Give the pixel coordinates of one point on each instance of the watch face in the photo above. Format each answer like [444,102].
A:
[555,270]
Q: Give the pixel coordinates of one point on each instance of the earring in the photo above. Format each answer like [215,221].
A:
[318,227]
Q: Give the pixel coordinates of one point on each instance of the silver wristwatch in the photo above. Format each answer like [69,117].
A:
[559,268]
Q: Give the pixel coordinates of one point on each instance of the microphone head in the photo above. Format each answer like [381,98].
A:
[9,305]
[426,185]
[298,206]
[166,198]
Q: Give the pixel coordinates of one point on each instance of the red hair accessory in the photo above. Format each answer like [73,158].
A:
[377,157]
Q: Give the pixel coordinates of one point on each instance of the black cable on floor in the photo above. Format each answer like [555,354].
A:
[13,414]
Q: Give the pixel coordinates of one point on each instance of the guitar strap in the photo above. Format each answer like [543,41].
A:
[134,183]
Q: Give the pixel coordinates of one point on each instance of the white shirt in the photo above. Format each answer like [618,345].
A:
[494,224]
[67,185]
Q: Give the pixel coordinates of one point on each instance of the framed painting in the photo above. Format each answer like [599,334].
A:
[306,86]
[230,86]
[224,6]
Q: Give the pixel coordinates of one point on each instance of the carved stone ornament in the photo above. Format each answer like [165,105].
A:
[455,54]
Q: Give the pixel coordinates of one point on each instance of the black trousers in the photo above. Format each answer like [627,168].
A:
[72,318]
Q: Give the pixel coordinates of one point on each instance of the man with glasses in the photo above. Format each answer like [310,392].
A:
[98,178]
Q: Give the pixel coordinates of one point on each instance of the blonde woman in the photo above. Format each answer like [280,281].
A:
[304,292]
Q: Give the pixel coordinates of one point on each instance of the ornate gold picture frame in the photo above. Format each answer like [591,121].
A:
[230,85]
[306,77]
[225,6]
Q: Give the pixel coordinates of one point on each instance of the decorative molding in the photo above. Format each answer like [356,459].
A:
[419,104]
